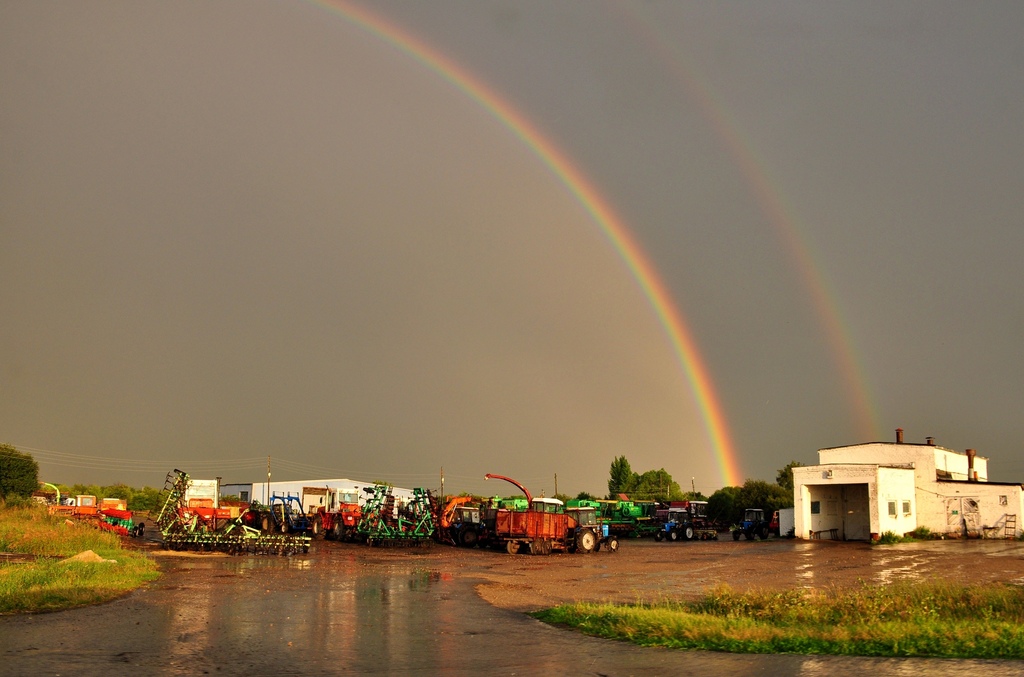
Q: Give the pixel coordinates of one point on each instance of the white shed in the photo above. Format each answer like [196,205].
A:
[861,491]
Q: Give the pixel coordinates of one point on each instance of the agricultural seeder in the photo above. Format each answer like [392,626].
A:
[194,528]
[119,521]
[385,522]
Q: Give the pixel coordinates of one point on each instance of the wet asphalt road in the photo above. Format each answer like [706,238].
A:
[347,609]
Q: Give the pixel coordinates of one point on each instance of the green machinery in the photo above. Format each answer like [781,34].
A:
[386,521]
[634,519]
[185,528]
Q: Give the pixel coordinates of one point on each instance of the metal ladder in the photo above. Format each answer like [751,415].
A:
[1010,527]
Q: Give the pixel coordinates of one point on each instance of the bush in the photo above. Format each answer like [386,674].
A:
[921,533]
[888,538]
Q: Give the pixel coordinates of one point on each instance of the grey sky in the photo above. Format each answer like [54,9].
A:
[235,230]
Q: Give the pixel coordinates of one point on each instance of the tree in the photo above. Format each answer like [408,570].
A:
[725,505]
[784,478]
[621,477]
[19,473]
[656,485]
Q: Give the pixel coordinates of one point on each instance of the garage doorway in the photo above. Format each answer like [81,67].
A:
[856,515]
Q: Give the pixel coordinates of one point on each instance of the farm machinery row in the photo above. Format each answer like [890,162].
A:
[534,525]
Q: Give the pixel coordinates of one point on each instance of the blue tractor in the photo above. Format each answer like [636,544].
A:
[753,526]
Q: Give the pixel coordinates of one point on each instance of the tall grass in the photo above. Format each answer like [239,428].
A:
[49,584]
[938,619]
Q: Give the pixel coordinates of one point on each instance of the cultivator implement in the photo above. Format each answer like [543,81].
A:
[383,524]
[185,528]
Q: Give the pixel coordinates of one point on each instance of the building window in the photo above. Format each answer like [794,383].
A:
[892,508]
[244,496]
[815,507]
[1002,500]
[906,507]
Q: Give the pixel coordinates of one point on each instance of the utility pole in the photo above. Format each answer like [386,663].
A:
[693,487]
[442,483]
[556,484]
[267,495]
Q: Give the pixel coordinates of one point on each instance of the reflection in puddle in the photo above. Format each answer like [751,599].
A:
[365,619]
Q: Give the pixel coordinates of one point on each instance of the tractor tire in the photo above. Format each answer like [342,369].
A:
[284,527]
[688,533]
[673,536]
[267,525]
[316,527]
[585,541]
[512,547]
[468,538]
[659,535]
[612,543]
[338,531]
[736,535]
[764,533]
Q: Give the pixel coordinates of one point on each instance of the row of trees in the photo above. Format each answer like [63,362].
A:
[19,478]
[725,505]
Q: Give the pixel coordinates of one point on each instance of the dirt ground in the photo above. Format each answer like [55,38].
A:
[646,570]
[650,571]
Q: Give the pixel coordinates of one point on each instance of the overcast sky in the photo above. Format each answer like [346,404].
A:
[236,230]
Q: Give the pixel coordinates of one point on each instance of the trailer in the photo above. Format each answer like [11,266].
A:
[541,529]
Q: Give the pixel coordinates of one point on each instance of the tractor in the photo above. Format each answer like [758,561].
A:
[754,525]
[591,533]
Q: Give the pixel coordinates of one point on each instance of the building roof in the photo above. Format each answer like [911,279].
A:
[901,444]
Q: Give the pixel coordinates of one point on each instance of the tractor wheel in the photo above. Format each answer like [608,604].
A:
[736,535]
[468,538]
[317,528]
[585,541]
[267,524]
[688,533]
[764,533]
[284,527]
[612,543]
[659,535]
[512,547]
[673,536]
[338,531]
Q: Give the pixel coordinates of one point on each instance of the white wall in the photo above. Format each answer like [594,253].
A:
[896,486]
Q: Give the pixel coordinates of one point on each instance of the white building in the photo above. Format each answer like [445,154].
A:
[861,491]
[262,492]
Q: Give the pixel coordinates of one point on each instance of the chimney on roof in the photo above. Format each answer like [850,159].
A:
[972,476]
[899,435]
[930,441]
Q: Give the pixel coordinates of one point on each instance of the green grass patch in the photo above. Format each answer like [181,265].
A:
[48,584]
[937,620]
